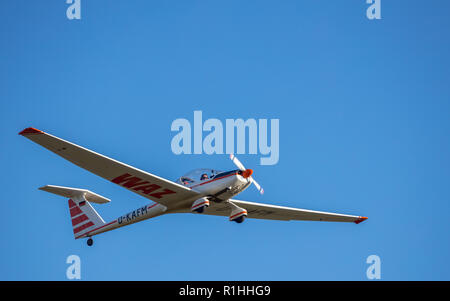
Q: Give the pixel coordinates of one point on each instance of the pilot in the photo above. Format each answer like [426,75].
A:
[204,177]
[186,181]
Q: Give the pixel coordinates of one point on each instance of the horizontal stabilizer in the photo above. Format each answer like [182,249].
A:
[70,193]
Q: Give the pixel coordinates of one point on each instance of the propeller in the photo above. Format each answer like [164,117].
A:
[246,173]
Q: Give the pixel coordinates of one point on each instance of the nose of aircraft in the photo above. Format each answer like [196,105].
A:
[247,173]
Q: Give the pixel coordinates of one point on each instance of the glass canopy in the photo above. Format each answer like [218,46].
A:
[198,175]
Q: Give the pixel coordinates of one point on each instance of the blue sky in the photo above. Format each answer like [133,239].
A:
[364,129]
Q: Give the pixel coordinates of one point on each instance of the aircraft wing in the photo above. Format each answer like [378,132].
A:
[272,212]
[152,187]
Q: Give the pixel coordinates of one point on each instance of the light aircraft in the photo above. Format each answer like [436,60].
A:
[202,191]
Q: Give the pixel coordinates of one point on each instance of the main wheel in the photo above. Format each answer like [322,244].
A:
[240,219]
[90,242]
[200,210]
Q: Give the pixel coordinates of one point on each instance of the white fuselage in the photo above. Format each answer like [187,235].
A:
[228,186]
[222,187]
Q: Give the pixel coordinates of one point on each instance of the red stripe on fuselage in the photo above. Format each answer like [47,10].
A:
[110,223]
[96,229]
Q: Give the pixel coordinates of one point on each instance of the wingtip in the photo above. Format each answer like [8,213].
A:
[360,219]
[30,130]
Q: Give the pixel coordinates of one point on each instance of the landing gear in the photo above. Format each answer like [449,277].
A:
[237,213]
[240,219]
[200,210]
[90,242]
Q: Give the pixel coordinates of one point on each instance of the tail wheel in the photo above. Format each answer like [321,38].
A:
[90,242]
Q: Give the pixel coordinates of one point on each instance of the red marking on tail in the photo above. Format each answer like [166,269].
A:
[77,220]
[71,203]
[82,227]
[75,211]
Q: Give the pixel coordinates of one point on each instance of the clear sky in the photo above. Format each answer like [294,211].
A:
[364,129]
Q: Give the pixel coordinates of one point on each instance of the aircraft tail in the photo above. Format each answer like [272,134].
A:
[83,215]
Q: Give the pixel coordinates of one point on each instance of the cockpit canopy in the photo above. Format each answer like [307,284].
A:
[198,175]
